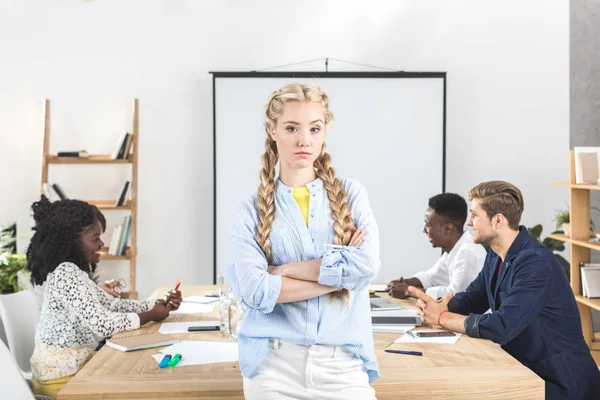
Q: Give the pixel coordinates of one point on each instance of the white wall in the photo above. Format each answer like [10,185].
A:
[508,96]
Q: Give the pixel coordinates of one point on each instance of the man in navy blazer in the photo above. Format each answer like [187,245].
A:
[534,316]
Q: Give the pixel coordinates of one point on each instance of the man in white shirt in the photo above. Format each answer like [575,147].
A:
[462,259]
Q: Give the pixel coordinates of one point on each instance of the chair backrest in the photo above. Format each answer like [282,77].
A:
[20,315]
[12,383]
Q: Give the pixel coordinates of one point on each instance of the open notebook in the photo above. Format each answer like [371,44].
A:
[141,341]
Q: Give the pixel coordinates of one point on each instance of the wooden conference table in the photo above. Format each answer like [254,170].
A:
[469,369]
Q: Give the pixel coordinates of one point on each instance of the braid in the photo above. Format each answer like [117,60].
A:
[266,198]
[343,224]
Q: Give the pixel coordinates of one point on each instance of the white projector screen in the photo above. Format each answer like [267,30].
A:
[388,133]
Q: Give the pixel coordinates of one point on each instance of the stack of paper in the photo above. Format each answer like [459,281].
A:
[199,353]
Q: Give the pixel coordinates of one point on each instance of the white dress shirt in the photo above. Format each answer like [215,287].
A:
[454,271]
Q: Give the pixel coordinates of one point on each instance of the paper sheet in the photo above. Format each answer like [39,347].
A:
[407,338]
[194,308]
[199,353]
[392,328]
[182,327]
[200,299]
[378,288]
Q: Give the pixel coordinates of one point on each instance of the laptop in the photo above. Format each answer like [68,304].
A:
[398,317]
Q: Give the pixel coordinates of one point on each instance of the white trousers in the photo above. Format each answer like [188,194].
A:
[309,372]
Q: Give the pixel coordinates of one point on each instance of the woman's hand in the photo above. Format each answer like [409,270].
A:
[173,298]
[112,287]
[357,237]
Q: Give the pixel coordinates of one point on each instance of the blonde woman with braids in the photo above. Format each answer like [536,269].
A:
[305,248]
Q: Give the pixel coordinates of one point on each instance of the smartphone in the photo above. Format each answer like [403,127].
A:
[203,328]
[434,334]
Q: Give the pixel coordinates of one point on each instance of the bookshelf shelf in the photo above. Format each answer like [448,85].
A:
[123,157]
[580,248]
[109,205]
[92,159]
[104,256]
[581,243]
[592,303]
[576,186]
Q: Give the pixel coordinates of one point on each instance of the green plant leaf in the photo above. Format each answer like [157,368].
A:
[553,244]
[536,232]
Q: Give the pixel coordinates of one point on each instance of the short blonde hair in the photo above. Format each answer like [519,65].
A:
[499,197]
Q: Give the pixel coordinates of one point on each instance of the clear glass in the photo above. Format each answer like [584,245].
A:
[236,318]
[225,297]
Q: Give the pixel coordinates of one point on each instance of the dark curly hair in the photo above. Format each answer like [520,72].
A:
[56,238]
[452,207]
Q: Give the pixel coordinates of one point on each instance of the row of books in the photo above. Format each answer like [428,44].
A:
[120,238]
[122,150]
[587,165]
[54,192]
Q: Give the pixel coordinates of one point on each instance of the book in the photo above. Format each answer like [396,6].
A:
[121,155]
[125,236]
[50,193]
[141,341]
[128,143]
[59,192]
[122,199]
[120,143]
[75,154]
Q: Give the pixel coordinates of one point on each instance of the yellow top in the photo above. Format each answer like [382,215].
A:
[302,197]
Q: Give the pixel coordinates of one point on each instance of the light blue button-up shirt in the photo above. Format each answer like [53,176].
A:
[314,321]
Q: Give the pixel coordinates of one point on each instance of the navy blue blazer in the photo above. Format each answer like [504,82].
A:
[534,318]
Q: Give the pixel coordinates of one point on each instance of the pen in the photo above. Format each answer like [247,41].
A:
[411,334]
[410,353]
[165,361]
[174,360]
[168,297]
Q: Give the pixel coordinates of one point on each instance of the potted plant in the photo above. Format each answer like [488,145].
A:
[563,222]
[10,266]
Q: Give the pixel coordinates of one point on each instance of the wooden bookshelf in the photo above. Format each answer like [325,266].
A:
[105,205]
[580,249]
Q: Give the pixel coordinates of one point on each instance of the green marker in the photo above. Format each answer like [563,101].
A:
[174,360]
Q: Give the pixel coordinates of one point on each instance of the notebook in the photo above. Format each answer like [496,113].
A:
[141,341]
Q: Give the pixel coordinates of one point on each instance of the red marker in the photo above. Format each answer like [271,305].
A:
[168,297]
